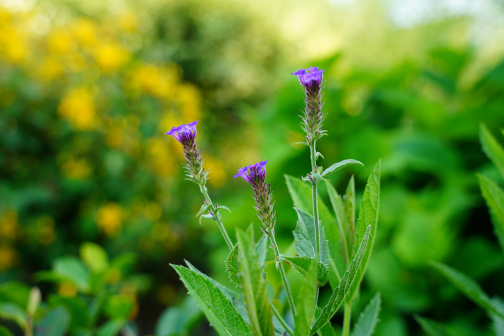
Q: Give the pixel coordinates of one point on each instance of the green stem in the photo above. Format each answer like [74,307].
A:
[281,269]
[347,318]
[281,320]
[313,155]
[217,217]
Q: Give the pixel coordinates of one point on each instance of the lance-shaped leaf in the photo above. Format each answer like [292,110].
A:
[301,196]
[494,197]
[261,249]
[368,318]
[469,288]
[343,288]
[432,328]
[340,165]
[202,210]
[232,266]
[306,300]
[302,264]
[221,313]
[305,240]
[368,216]
[492,148]
[254,287]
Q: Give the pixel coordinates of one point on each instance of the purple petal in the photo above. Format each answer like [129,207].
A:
[299,72]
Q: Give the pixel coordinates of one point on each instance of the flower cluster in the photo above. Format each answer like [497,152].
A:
[312,79]
[256,175]
[186,135]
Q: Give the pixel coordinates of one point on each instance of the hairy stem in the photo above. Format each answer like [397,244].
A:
[313,153]
[281,320]
[346,319]
[281,269]
[217,217]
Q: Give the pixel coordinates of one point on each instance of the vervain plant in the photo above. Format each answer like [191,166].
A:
[494,197]
[329,249]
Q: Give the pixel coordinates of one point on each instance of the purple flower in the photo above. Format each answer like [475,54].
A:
[184,132]
[256,175]
[310,78]
[186,135]
[257,172]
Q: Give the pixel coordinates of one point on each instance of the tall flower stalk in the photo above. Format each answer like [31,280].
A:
[263,196]
[186,135]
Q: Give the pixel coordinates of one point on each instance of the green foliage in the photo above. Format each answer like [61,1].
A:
[432,328]
[492,148]
[306,301]
[4,331]
[215,305]
[54,323]
[494,197]
[254,287]
[338,166]
[368,319]
[470,288]
[180,320]
[339,294]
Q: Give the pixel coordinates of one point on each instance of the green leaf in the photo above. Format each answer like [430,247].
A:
[111,328]
[492,148]
[494,197]
[305,240]
[203,208]
[55,323]
[254,287]
[73,270]
[15,292]
[179,320]
[432,328]
[301,195]
[368,216]
[118,306]
[12,312]
[261,249]
[302,264]
[368,318]
[5,332]
[469,288]
[221,313]
[498,322]
[340,165]
[94,256]
[76,306]
[306,301]
[232,266]
[338,295]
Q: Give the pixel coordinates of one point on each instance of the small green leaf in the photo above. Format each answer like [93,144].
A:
[222,207]
[232,266]
[368,318]
[111,328]
[305,240]
[432,328]
[94,256]
[203,208]
[179,320]
[15,292]
[306,301]
[254,287]
[33,301]
[221,313]
[469,288]
[73,270]
[494,197]
[492,148]
[261,249]
[346,231]
[368,217]
[340,165]
[55,323]
[302,264]
[208,215]
[301,196]
[76,306]
[343,288]
[12,312]
[5,332]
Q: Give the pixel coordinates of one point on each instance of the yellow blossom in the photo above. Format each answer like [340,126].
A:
[189,100]
[110,57]
[78,107]
[51,68]
[7,257]
[109,218]
[67,289]
[9,224]
[85,32]
[160,156]
[61,42]
[156,81]
[76,169]
[217,175]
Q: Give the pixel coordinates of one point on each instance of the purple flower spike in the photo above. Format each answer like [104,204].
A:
[186,135]
[310,78]
[184,132]
[256,175]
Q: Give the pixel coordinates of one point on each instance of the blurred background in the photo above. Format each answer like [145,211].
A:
[93,201]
